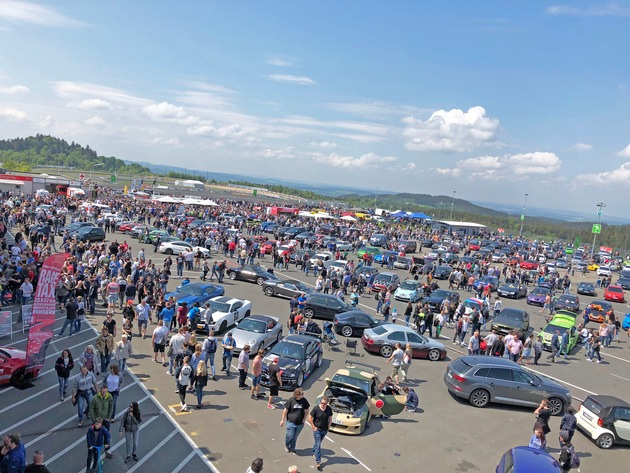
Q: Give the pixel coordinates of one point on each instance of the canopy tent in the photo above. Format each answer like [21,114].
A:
[349,218]
[166,199]
[191,201]
[316,215]
[400,214]
[208,203]
[419,215]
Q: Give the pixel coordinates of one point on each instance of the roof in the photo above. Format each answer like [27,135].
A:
[301,339]
[487,360]
[264,318]
[356,373]
[453,223]
[606,400]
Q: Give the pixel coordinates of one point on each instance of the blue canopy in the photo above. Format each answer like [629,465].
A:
[400,214]
[418,215]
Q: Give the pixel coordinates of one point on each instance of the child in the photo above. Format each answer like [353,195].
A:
[97,438]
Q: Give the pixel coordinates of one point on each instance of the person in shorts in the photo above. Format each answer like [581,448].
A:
[160,334]
[275,381]
[257,373]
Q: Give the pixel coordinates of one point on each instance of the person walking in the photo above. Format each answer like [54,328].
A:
[568,423]
[114,381]
[175,349]
[71,316]
[243,367]
[105,346]
[63,367]
[564,345]
[538,349]
[596,344]
[257,374]
[543,413]
[102,406]
[201,381]
[320,419]
[406,362]
[294,414]
[84,384]
[396,360]
[275,381]
[183,374]
[38,465]
[566,452]
[122,352]
[228,345]
[130,426]
[158,339]
[210,349]
[97,437]
[555,346]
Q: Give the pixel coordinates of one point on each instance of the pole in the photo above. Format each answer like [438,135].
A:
[601,205]
[523,215]
[452,203]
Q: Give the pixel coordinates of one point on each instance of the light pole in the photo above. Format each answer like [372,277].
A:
[601,205]
[375,199]
[523,215]
[452,203]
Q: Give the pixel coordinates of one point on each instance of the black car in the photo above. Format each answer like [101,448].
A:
[353,323]
[287,288]
[624,283]
[605,419]
[442,272]
[586,288]
[299,356]
[251,273]
[510,319]
[301,237]
[90,234]
[427,243]
[568,302]
[325,306]
[75,226]
[280,231]
[513,291]
[436,298]
[293,232]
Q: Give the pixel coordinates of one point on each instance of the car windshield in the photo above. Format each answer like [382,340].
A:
[569,299]
[551,328]
[192,289]
[288,350]
[441,294]
[363,384]
[511,314]
[592,406]
[540,291]
[219,306]
[409,285]
[586,285]
[382,278]
[614,289]
[251,325]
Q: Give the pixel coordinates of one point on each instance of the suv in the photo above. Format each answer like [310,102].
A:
[378,239]
[510,319]
[606,419]
[485,379]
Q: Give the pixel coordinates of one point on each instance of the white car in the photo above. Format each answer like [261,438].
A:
[343,245]
[340,264]
[226,311]
[604,271]
[176,247]
[326,257]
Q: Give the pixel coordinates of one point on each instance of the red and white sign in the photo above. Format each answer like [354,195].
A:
[81,176]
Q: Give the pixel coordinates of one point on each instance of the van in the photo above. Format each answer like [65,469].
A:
[410,246]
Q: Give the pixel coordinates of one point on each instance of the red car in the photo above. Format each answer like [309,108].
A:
[127,226]
[529,264]
[474,245]
[514,261]
[12,367]
[614,293]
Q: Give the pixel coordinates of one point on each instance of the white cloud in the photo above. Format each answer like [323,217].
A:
[228,131]
[280,61]
[25,12]
[80,90]
[366,161]
[93,104]
[624,153]
[164,110]
[323,144]
[13,114]
[582,147]
[621,175]
[604,9]
[452,130]
[287,152]
[514,166]
[15,89]
[95,121]
[301,80]
[374,109]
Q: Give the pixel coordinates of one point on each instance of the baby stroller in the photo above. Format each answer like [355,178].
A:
[330,339]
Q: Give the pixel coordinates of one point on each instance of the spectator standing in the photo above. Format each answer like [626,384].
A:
[257,374]
[71,315]
[143,311]
[243,367]
[566,452]
[210,349]
[158,339]
[538,349]
[201,381]
[122,352]
[105,347]
[130,425]
[396,359]
[406,362]
[294,414]
[228,345]
[320,419]
[114,381]
[183,374]
[102,406]
[568,423]
[275,381]
[38,465]
[63,367]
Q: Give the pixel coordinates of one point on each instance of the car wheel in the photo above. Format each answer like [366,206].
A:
[19,378]
[556,406]
[168,251]
[300,380]
[434,355]
[279,337]
[319,361]
[232,275]
[223,327]
[346,331]
[309,313]
[386,351]
[268,291]
[605,441]
[479,398]
[260,281]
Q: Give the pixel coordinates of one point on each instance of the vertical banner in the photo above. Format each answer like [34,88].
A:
[6,324]
[27,317]
[43,310]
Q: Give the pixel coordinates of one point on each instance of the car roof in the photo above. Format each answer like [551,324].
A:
[264,318]
[609,401]
[398,328]
[532,459]
[225,299]
[488,361]
[299,339]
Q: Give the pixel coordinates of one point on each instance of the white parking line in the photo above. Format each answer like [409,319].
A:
[351,455]
[184,462]
[617,376]
[615,357]
[155,449]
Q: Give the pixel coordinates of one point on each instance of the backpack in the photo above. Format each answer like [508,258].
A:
[575,459]
[212,345]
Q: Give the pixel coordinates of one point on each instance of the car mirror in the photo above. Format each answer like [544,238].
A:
[533,383]
[269,330]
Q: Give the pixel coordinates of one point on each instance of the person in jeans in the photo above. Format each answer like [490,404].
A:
[210,349]
[294,415]
[63,366]
[228,345]
[97,437]
[596,344]
[243,367]
[320,419]
[84,385]
[130,426]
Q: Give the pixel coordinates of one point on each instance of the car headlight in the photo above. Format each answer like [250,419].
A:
[291,374]
[253,342]
[359,412]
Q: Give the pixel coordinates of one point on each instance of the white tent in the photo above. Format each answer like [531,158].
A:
[316,215]
[166,199]
[348,218]
[208,202]
[191,201]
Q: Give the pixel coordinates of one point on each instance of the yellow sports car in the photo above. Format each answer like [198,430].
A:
[592,267]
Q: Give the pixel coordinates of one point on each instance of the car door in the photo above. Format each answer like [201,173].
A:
[526,391]
[248,273]
[418,345]
[622,423]
[237,312]
[287,289]
[385,404]
[499,384]
[332,307]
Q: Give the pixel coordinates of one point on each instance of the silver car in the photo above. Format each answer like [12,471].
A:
[257,331]
[485,379]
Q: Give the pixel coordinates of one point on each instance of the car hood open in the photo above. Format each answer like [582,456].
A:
[358,395]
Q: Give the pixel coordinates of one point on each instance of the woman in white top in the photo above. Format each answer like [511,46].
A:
[114,382]
[123,351]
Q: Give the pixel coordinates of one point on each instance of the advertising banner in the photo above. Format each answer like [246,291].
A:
[27,317]
[43,310]
[6,321]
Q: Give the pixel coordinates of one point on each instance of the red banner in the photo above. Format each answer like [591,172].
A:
[44,306]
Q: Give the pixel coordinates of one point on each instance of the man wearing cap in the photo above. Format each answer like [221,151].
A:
[275,380]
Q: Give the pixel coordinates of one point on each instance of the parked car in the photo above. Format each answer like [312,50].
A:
[403,262]
[409,290]
[483,281]
[382,339]
[562,322]
[614,293]
[485,379]
[257,331]
[74,227]
[178,246]
[442,272]
[568,302]
[251,273]
[624,283]
[200,292]
[513,291]
[226,311]
[587,289]
[90,234]
[599,309]
[604,271]
[286,288]
[605,419]
[353,322]
[438,296]
[299,356]
[325,306]
[384,281]
[538,296]
[510,319]
[527,460]
[13,369]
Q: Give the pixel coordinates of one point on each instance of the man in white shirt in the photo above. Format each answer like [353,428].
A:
[177,342]
[497,306]
[143,311]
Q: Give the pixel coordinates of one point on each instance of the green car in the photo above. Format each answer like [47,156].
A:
[563,320]
[568,251]
[155,234]
[369,249]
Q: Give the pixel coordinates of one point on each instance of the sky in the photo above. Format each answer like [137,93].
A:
[483,101]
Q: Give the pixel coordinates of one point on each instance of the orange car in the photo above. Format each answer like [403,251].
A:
[599,310]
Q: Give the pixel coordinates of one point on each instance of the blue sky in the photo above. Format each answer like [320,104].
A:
[490,99]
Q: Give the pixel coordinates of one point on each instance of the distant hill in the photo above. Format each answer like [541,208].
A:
[21,154]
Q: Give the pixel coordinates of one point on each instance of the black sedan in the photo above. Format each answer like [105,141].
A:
[442,272]
[299,356]
[513,291]
[586,288]
[287,288]
[438,296]
[90,234]
[568,302]
[353,323]
[624,283]
[251,273]
[325,306]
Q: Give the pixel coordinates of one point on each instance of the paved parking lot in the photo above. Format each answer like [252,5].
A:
[445,434]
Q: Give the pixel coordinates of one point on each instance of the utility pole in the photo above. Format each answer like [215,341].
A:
[452,203]
[523,214]
[601,205]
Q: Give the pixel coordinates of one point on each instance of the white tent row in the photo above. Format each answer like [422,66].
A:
[316,215]
[167,199]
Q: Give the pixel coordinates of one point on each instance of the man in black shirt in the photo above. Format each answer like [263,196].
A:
[320,419]
[275,381]
[38,464]
[295,412]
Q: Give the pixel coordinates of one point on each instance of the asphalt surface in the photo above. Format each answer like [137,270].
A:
[444,434]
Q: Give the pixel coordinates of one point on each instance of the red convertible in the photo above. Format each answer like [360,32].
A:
[12,367]
[529,264]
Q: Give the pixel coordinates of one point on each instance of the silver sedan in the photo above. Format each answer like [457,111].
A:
[257,331]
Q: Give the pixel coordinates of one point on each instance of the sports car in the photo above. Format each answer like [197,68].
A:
[252,273]
[472,304]
[354,398]
[13,367]
[599,310]
[409,290]
[342,245]
[299,356]
[226,311]
[177,247]
[384,256]
[196,292]
[483,281]
[568,302]
[287,288]
[592,267]
[513,291]
[257,331]
[529,264]
[614,293]
[562,322]
[381,339]
[586,288]
[538,296]
[373,250]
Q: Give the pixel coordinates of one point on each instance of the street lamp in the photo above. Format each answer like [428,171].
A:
[601,205]
[523,215]
[452,203]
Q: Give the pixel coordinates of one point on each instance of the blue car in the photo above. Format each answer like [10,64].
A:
[626,322]
[379,258]
[527,460]
[196,292]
